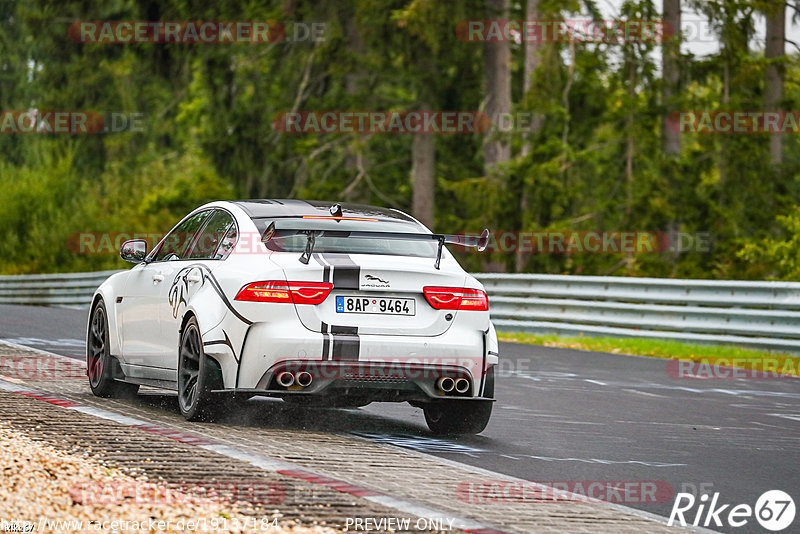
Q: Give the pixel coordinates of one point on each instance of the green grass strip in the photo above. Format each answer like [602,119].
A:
[725,355]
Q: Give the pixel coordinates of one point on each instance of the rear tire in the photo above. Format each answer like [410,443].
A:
[101,367]
[198,375]
[458,417]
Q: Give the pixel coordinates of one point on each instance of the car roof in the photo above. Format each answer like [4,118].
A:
[276,208]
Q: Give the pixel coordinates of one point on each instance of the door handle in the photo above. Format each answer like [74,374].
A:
[193,278]
[158,277]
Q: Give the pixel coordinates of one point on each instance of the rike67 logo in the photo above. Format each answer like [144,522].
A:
[774,510]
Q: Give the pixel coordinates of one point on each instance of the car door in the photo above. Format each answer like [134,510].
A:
[210,245]
[146,298]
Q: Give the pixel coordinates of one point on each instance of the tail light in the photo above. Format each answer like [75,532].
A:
[456,298]
[286,292]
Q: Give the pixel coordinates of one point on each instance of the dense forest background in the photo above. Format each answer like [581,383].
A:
[597,155]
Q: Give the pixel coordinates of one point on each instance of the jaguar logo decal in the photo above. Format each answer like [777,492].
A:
[375,279]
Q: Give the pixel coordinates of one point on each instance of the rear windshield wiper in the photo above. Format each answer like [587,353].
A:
[309,248]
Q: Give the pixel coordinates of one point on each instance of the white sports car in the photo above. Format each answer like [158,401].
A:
[314,303]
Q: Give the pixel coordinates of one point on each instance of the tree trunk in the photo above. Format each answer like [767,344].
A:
[497,67]
[353,85]
[533,60]
[630,121]
[670,52]
[773,86]
[726,100]
[630,152]
[423,177]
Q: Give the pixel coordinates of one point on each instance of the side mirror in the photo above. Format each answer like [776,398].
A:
[134,250]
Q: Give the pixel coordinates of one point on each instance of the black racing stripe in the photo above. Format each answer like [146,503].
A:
[346,272]
[326,342]
[326,269]
[224,298]
[346,343]
[483,369]
[239,363]
[326,338]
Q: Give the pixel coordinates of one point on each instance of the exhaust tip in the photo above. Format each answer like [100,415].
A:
[446,384]
[285,379]
[462,385]
[304,379]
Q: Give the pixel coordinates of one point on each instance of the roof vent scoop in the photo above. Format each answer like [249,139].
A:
[336,210]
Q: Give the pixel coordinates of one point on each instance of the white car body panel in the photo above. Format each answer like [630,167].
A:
[148,305]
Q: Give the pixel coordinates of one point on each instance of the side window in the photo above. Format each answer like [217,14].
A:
[205,247]
[227,244]
[177,241]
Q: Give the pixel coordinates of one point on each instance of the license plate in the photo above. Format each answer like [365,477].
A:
[381,306]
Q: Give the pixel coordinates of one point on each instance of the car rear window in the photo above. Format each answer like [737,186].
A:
[353,245]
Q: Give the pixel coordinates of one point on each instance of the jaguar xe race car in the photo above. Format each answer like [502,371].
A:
[315,303]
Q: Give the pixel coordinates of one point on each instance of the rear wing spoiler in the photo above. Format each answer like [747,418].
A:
[292,228]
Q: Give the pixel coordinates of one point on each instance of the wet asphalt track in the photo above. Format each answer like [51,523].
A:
[568,415]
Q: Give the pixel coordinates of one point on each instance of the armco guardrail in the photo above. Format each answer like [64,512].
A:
[757,314]
[764,315]
[67,289]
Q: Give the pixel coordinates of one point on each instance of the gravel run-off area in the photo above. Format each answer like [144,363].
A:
[43,489]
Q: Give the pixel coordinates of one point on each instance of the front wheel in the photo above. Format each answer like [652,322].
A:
[101,367]
[197,377]
[457,417]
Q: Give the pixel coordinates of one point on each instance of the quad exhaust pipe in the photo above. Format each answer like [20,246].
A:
[285,379]
[462,385]
[304,379]
[446,384]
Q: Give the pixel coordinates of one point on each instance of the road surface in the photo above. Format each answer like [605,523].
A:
[571,416]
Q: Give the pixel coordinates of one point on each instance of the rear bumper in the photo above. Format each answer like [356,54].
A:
[268,346]
[371,396]
[364,381]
